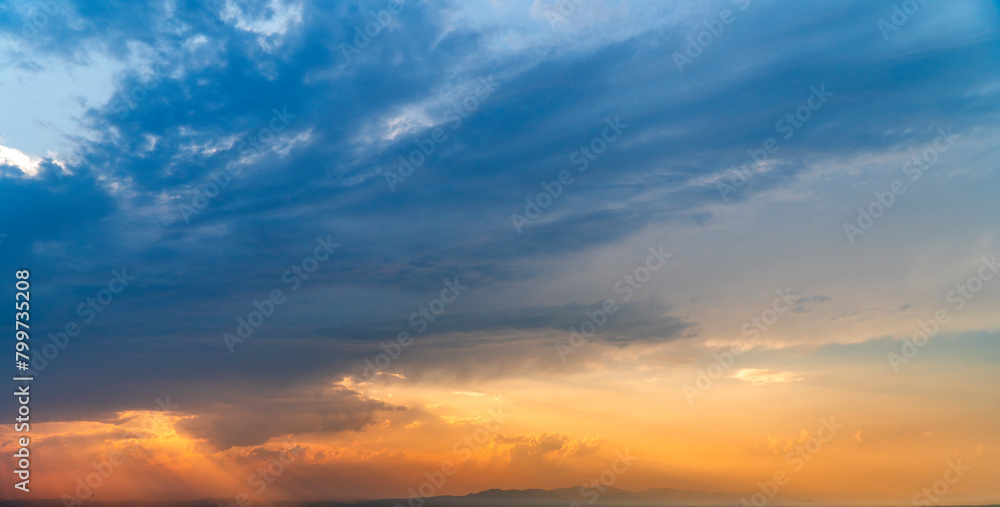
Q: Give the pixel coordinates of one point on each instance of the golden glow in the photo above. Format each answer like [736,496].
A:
[550,432]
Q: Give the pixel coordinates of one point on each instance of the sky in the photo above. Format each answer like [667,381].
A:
[368,244]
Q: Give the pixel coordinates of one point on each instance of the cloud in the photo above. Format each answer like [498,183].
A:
[13,158]
[808,303]
[764,377]
[221,70]
[254,421]
[533,450]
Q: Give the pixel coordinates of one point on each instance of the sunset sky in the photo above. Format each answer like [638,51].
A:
[513,240]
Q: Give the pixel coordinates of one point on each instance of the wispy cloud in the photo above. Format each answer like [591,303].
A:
[764,377]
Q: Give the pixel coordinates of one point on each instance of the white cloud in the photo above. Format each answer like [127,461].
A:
[283,17]
[10,156]
[764,377]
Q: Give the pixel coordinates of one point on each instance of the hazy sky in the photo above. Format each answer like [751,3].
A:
[743,207]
